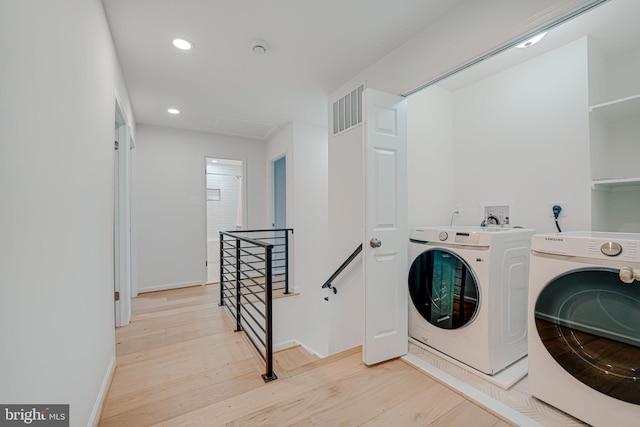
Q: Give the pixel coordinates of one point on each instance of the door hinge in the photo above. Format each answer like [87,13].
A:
[115,144]
[117,296]
[206,263]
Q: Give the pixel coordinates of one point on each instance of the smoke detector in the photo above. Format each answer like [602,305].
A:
[259,47]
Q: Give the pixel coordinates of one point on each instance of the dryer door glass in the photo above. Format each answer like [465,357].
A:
[589,322]
[443,289]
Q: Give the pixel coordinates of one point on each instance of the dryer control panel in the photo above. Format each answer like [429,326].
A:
[595,245]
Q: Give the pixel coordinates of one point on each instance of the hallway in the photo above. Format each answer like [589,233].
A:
[180,363]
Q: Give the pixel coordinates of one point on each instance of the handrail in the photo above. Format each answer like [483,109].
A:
[280,236]
[340,269]
[248,267]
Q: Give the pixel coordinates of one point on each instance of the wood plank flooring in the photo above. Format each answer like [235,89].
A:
[179,363]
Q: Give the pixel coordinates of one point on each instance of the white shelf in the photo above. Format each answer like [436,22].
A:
[619,108]
[615,184]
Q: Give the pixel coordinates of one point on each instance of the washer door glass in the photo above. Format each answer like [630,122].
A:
[443,289]
[589,322]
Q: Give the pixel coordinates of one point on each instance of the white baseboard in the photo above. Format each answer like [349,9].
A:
[285,345]
[294,343]
[94,419]
[167,286]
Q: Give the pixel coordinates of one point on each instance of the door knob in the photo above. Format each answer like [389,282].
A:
[375,243]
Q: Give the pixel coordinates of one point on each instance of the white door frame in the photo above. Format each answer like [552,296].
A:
[133,273]
[123,169]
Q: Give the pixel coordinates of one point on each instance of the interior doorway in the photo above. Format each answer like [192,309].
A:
[279,209]
[123,227]
[224,206]
[280,193]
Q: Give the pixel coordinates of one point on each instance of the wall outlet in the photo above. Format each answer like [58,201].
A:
[563,212]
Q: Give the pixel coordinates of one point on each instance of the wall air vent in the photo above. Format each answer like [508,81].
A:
[347,111]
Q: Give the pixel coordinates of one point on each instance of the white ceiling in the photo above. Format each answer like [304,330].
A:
[222,86]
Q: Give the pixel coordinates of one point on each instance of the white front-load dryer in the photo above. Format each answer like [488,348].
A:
[468,289]
[584,325]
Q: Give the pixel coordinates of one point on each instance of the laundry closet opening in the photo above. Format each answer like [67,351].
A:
[224,206]
[554,123]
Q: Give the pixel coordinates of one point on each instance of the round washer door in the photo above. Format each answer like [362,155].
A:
[443,289]
[589,322]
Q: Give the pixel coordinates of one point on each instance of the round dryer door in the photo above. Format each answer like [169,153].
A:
[589,322]
[443,289]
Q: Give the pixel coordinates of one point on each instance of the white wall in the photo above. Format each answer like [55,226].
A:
[280,145]
[59,79]
[170,198]
[622,75]
[430,157]
[302,318]
[522,137]
[346,232]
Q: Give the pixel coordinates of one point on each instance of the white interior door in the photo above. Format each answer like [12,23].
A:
[386,229]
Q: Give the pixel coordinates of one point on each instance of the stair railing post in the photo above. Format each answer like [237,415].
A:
[269,374]
[238,305]
[221,270]
[286,261]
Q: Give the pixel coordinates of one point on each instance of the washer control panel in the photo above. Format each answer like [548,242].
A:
[465,238]
[467,235]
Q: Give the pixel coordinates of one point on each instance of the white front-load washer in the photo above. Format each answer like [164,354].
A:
[584,325]
[468,288]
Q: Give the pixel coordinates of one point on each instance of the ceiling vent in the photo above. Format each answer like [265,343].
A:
[243,128]
[347,111]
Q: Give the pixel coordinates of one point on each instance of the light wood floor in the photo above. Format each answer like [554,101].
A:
[180,363]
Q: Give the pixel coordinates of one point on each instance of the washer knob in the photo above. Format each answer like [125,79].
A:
[611,249]
[443,236]
[628,274]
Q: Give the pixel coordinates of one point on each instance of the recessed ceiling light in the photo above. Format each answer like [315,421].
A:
[173,111]
[531,41]
[182,44]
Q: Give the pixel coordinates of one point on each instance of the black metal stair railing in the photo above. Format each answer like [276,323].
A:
[329,282]
[254,263]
